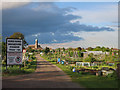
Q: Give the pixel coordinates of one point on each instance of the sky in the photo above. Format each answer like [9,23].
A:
[63,24]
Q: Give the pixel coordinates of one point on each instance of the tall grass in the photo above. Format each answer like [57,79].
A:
[16,70]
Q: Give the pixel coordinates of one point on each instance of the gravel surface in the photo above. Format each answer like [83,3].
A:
[46,75]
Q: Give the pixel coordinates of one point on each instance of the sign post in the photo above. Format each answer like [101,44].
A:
[24,57]
[14,51]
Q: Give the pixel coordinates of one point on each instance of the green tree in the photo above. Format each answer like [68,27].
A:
[103,49]
[63,49]
[90,58]
[19,35]
[3,50]
[46,50]
[83,50]
[79,49]
[59,50]
[98,48]
[30,49]
[69,49]
[79,54]
[71,53]
[53,51]
[90,48]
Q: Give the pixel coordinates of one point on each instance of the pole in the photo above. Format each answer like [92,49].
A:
[24,63]
[6,53]
[6,67]
[20,67]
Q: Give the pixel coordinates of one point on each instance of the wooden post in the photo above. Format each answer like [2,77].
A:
[20,67]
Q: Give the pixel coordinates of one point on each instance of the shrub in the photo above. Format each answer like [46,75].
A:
[113,75]
[95,67]
[85,73]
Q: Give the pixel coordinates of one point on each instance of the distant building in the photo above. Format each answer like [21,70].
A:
[102,54]
[95,52]
[115,49]
[36,45]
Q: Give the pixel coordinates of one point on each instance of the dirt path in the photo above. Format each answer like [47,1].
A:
[46,75]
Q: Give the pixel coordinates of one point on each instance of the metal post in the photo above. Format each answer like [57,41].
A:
[24,63]
[20,67]
[6,67]
[6,53]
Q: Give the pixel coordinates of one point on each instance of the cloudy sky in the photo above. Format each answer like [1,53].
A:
[63,24]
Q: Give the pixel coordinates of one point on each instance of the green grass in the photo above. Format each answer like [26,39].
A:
[87,80]
[15,70]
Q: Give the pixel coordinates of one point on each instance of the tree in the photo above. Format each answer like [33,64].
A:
[79,54]
[79,48]
[103,49]
[19,35]
[3,50]
[71,54]
[59,50]
[46,50]
[29,49]
[53,51]
[90,58]
[83,50]
[69,49]
[107,49]
[98,48]
[89,48]
[63,49]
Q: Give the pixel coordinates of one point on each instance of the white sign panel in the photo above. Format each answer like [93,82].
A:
[14,51]
[14,45]
[14,58]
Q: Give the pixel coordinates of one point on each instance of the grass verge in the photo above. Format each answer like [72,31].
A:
[15,70]
[87,80]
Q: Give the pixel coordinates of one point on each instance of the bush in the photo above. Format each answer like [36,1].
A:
[95,67]
[85,73]
[113,75]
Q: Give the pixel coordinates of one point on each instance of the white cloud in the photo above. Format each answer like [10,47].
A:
[52,33]
[38,34]
[104,14]
[91,39]
[14,3]
[54,40]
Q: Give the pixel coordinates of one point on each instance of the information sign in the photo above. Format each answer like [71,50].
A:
[14,51]
[14,45]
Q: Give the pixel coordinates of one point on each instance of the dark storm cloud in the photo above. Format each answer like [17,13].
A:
[44,18]
[56,37]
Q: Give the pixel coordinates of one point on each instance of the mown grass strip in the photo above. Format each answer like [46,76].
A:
[87,80]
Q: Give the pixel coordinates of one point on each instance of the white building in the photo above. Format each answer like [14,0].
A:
[96,52]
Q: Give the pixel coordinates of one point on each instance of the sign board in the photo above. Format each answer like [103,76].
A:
[14,51]
[14,45]
[14,58]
